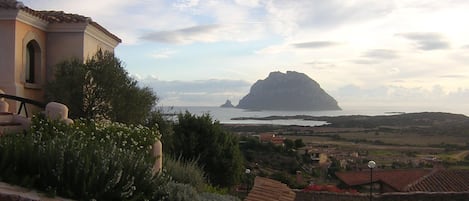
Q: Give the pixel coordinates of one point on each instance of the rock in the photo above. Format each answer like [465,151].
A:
[288,91]
[227,104]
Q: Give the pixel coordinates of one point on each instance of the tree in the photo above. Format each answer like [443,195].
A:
[165,126]
[299,143]
[289,144]
[67,87]
[100,88]
[198,137]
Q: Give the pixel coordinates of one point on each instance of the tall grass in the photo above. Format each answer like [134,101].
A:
[185,172]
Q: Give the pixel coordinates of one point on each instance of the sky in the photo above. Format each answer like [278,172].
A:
[410,53]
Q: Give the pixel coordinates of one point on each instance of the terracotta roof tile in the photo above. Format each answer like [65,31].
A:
[397,179]
[438,180]
[443,181]
[270,190]
[56,16]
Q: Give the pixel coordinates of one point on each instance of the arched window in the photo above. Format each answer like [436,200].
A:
[30,61]
[33,62]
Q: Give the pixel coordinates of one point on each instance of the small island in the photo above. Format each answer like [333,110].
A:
[227,104]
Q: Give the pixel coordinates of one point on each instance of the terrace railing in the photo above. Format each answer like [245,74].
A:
[23,102]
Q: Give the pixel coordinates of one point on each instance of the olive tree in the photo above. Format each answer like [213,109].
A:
[100,88]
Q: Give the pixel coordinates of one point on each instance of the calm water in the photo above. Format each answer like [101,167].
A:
[224,115]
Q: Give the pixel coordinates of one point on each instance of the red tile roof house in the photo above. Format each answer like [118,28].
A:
[414,180]
[271,137]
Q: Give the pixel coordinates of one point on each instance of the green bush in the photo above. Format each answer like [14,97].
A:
[87,160]
[185,172]
[216,197]
[181,192]
[185,192]
[216,150]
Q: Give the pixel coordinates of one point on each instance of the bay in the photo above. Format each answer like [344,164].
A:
[225,115]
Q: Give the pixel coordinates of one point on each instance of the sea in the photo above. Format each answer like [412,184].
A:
[226,115]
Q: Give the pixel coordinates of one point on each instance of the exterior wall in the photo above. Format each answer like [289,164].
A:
[25,33]
[14,37]
[81,41]
[7,58]
[61,47]
[95,40]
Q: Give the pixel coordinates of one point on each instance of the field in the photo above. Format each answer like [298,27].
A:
[408,140]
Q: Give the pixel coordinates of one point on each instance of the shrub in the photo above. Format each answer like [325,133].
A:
[185,172]
[216,197]
[181,192]
[87,160]
[217,150]
[185,192]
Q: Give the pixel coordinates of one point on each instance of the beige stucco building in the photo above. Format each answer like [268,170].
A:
[32,42]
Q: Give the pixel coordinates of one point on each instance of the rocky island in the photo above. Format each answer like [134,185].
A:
[288,91]
[227,104]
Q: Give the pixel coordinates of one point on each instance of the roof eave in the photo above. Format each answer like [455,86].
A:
[105,31]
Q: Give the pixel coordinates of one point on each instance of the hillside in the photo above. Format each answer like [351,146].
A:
[423,122]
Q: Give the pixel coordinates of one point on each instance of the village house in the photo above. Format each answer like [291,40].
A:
[272,138]
[34,42]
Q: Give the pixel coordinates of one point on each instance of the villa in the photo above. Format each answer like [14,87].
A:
[33,42]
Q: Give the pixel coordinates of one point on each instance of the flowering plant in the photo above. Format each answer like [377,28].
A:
[85,160]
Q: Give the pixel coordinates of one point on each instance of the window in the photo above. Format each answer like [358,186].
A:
[30,63]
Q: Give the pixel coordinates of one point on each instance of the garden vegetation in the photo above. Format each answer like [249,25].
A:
[85,160]
[100,88]
[98,158]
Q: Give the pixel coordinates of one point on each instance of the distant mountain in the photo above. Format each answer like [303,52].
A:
[288,91]
[227,104]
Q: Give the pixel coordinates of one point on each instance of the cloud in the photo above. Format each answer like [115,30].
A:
[184,4]
[315,44]
[289,16]
[381,54]
[186,35]
[162,54]
[453,76]
[354,42]
[321,65]
[211,92]
[248,3]
[393,71]
[415,98]
[365,61]
[427,40]
[273,49]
